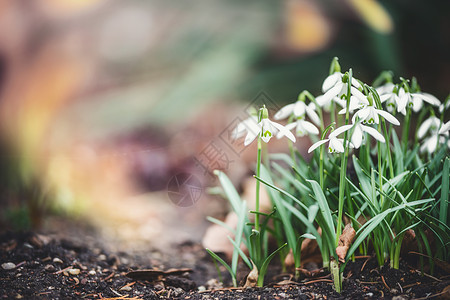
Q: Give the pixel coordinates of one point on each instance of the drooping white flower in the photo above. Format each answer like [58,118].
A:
[266,129]
[386,88]
[333,86]
[445,128]
[303,127]
[357,101]
[357,137]
[430,143]
[335,145]
[431,124]
[249,124]
[404,99]
[418,98]
[368,114]
[299,109]
[435,135]
[391,99]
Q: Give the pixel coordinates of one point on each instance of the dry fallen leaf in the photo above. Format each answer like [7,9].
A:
[345,240]
[152,275]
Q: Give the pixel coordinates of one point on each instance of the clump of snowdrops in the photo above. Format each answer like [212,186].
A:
[379,171]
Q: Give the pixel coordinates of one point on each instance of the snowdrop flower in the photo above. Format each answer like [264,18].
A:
[266,129]
[430,144]
[357,137]
[430,124]
[299,109]
[368,114]
[418,98]
[414,100]
[357,101]
[386,88]
[445,128]
[335,145]
[433,140]
[391,100]
[302,128]
[334,86]
[249,124]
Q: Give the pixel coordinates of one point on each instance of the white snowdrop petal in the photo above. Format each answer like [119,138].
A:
[342,111]
[313,115]
[330,81]
[299,109]
[424,128]
[357,136]
[340,130]
[283,131]
[374,133]
[445,128]
[317,144]
[385,97]
[387,88]
[363,113]
[428,98]
[328,96]
[250,138]
[403,99]
[289,127]
[358,94]
[432,144]
[388,117]
[355,83]
[337,144]
[310,127]
[417,103]
[284,112]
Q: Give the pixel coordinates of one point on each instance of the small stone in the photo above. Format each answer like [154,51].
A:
[50,268]
[92,272]
[102,257]
[178,291]
[8,266]
[398,298]
[74,271]
[126,288]
[282,295]
[201,288]
[19,296]
[57,260]
[65,273]
[28,245]
[158,287]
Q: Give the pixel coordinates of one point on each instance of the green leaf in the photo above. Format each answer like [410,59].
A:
[265,265]
[323,205]
[368,227]
[444,192]
[216,257]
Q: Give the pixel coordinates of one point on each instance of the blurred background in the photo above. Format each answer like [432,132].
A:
[103,102]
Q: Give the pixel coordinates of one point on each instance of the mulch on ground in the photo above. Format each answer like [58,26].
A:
[39,266]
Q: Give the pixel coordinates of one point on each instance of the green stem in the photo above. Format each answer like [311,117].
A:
[342,181]
[380,170]
[405,133]
[321,167]
[397,251]
[336,275]
[258,173]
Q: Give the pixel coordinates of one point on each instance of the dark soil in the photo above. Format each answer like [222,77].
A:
[49,267]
